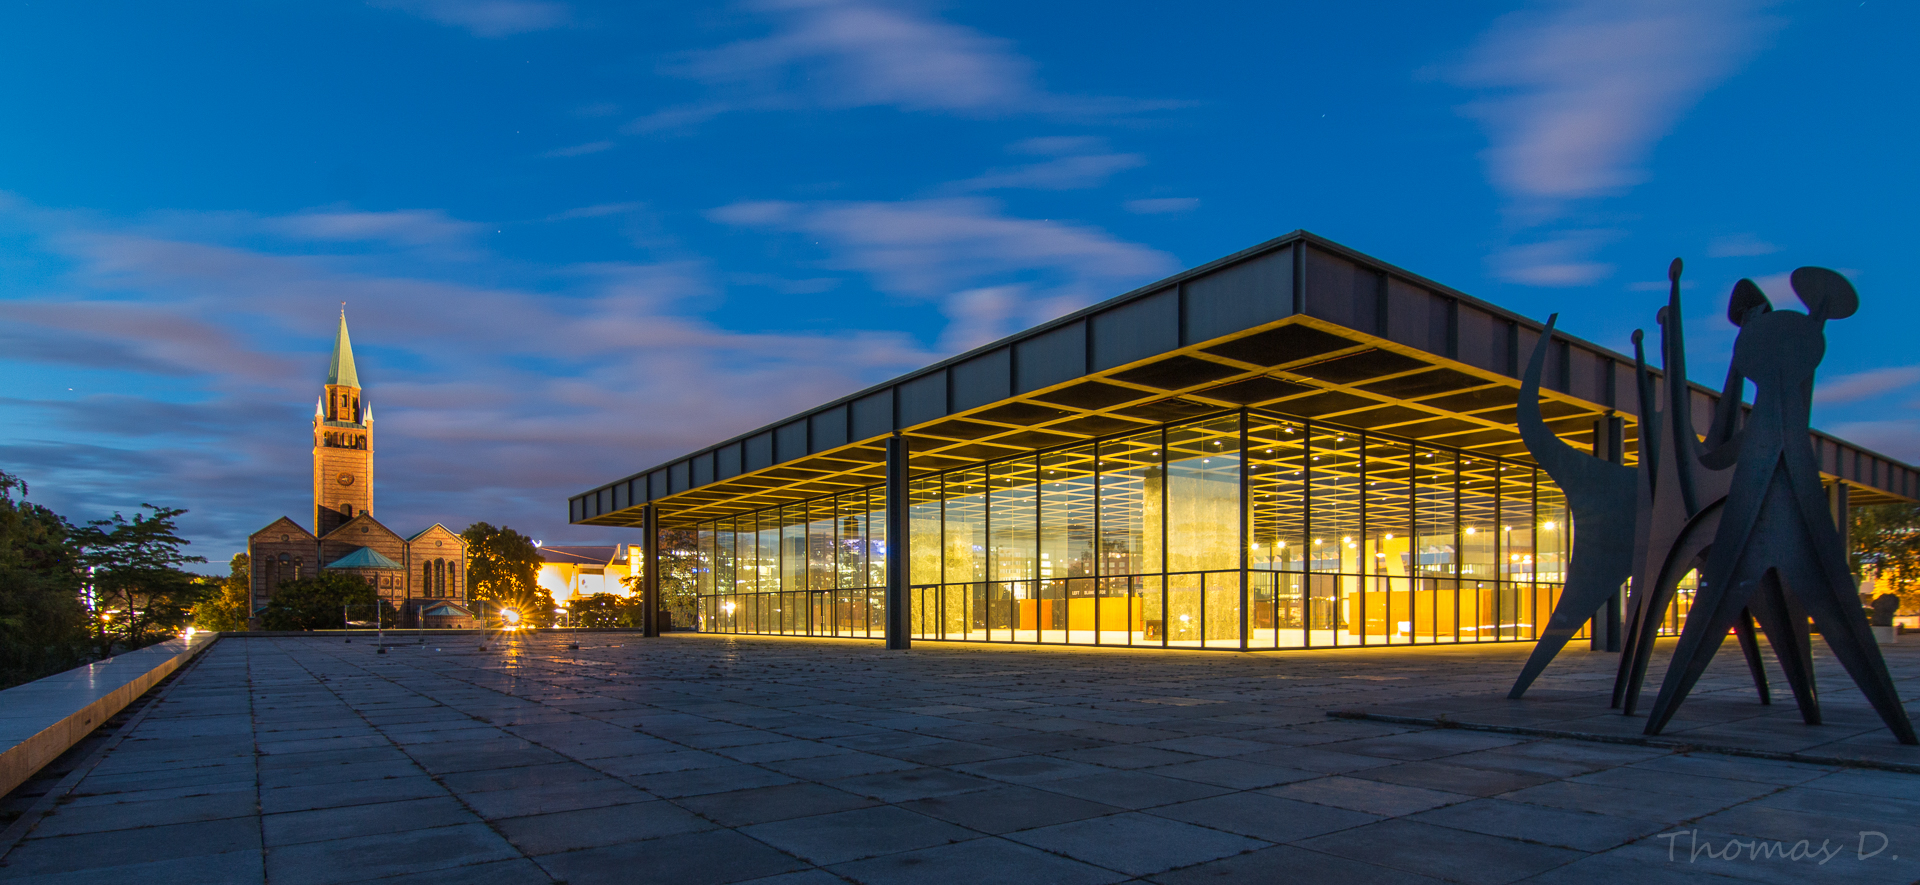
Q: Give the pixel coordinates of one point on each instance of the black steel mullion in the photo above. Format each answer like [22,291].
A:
[1306,534]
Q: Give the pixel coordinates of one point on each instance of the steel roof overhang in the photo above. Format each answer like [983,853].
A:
[1298,325]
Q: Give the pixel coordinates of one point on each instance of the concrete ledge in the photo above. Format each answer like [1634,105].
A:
[46,717]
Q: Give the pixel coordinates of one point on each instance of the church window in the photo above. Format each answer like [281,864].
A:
[426,579]
[296,568]
[440,577]
[347,510]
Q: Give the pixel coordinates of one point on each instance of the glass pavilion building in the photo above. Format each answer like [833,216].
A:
[1294,446]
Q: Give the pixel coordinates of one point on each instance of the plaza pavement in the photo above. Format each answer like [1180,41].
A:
[688,760]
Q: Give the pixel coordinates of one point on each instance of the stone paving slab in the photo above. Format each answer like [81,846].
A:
[1723,712]
[700,759]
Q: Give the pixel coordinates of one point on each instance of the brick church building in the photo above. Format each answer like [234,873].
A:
[423,575]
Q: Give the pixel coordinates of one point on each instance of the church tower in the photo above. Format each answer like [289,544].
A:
[342,443]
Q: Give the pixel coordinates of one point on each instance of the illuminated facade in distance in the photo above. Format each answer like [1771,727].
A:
[1295,446]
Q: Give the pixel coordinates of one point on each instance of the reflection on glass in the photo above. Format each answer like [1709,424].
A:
[1246,529]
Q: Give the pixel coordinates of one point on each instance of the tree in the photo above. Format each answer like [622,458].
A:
[503,567]
[605,610]
[229,601]
[324,602]
[43,626]
[134,576]
[679,576]
[1886,544]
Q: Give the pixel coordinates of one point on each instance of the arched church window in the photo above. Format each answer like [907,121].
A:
[440,577]
[297,563]
[426,579]
[453,577]
[347,510]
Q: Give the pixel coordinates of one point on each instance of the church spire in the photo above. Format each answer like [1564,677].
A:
[340,371]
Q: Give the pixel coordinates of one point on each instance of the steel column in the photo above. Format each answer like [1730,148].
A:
[899,610]
[650,563]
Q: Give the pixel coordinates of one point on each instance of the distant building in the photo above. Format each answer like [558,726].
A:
[424,575]
[576,571]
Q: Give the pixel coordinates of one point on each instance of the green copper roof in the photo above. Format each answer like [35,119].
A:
[365,557]
[340,371]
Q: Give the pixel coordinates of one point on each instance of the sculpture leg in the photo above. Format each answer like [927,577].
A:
[1750,647]
[1638,599]
[1715,609]
[1790,644]
[1835,609]
[1639,652]
[1579,603]
[1689,550]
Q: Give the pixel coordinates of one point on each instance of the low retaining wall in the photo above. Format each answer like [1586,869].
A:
[46,717]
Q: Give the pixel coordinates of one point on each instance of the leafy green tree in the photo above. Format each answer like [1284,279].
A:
[229,601]
[679,575]
[134,577]
[605,610]
[1886,544]
[43,625]
[503,570]
[325,602]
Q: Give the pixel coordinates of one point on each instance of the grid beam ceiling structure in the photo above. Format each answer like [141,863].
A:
[1298,325]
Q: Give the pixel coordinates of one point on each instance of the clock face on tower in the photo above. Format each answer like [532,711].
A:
[346,479]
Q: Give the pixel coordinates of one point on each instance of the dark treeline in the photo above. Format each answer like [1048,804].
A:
[70,594]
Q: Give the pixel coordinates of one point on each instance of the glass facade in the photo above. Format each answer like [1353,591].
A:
[1241,530]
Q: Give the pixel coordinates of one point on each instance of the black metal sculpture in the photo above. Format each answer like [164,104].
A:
[1776,543]
[1745,508]
[1679,504]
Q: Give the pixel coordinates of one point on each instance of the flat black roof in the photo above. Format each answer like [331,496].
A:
[1298,325]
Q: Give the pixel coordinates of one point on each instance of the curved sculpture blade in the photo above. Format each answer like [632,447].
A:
[1600,495]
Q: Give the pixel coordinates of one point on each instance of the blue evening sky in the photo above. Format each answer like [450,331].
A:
[578,239]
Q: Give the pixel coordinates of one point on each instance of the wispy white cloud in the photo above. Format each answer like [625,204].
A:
[840,54]
[195,357]
[485,18]
[1864,385]
[930,247]
[1161,205]
[407,227]
[1739,246]
[599,210]
[1561,259]
[1075,163]
[579,150]
[1574,94]
[966,253]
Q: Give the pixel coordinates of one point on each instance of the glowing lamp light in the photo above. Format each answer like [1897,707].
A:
[510,617]
[1389,536]
[1469,530]
[1548,525]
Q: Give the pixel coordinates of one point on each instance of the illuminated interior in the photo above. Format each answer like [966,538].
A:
[1337,537]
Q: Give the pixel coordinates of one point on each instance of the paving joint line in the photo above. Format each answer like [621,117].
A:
[16,832]
[1680,746]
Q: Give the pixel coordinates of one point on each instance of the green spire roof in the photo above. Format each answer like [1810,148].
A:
[340,371]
